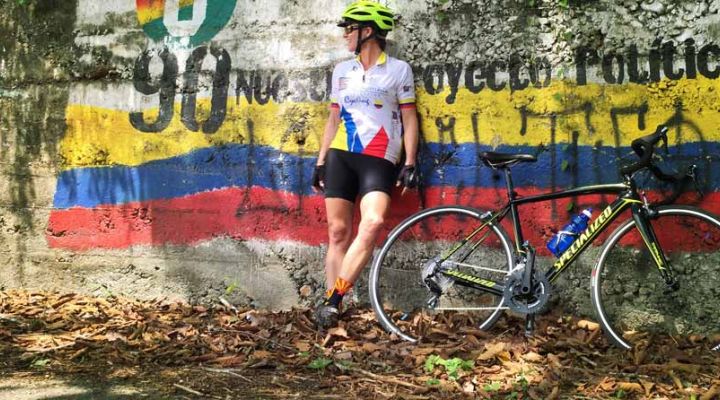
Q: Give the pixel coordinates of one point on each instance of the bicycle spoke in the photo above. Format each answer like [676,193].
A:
[635,304]
[409,267]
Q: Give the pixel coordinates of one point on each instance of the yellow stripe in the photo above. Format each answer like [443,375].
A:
[407,101]
[340,140]
[98,136]
[156,11]
[499,120]
[382,58]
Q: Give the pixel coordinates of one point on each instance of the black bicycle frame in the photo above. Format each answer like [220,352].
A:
[627,198]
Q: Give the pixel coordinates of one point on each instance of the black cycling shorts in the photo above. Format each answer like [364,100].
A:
[349,175]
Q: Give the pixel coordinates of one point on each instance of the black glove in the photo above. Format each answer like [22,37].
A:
[318,178]
[408,177]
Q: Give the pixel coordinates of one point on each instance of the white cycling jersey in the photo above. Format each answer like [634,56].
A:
[369,103]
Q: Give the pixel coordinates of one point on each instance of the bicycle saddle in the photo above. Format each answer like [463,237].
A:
[502,160]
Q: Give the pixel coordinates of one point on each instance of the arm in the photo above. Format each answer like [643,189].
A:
[331,127]
[410,134]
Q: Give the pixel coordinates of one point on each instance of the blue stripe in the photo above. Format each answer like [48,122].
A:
[354,144]
[440,165]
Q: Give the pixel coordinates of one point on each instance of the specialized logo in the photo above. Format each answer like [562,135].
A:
[589,234]
[184,23]
[470,278]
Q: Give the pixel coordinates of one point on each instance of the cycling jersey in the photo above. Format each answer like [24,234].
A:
[369,103]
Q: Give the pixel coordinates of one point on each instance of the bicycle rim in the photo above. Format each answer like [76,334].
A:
[398,292]
[635,306]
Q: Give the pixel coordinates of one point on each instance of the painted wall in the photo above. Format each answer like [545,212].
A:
[184,139]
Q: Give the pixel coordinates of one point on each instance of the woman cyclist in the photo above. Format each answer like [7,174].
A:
[372,118]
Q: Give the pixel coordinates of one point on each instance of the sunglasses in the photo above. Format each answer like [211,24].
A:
[350,28]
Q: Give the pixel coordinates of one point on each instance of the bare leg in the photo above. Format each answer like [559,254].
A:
[340,221]
[373,210]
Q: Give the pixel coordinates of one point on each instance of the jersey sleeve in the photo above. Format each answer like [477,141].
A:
[335,88]
[406,87]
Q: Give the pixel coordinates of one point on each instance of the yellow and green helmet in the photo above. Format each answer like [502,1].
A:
[366,11]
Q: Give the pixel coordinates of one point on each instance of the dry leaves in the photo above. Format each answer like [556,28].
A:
[567,358]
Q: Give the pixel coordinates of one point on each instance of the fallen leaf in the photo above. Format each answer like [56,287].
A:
[630,387]
[339,332]
[343,356]
[370,347]
[532,357]
[492,350]
[588,325]
[302,345]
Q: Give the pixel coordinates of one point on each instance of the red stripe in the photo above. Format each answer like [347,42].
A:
[407,105]
[261,213]
[140,4]
[378,145]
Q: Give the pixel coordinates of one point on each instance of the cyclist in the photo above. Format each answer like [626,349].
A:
[372,117]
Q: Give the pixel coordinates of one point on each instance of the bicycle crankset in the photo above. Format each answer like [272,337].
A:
[529,302]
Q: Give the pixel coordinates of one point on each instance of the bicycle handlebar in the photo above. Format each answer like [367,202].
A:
[644,147]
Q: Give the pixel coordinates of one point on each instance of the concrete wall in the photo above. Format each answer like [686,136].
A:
[164,148]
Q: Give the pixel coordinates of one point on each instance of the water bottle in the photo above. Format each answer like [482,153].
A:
[562,240]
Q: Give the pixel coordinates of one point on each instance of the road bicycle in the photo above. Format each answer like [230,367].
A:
[657,273]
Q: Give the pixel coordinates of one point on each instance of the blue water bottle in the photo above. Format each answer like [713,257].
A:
[562,240]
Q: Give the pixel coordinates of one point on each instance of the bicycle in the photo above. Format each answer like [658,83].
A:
[646,280]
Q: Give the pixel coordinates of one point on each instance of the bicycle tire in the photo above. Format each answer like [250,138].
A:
[635,306]
[398,293]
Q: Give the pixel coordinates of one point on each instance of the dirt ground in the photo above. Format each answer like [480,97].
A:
[66,346]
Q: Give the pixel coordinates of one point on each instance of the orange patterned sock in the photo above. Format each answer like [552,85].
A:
[342,286]
[336,294]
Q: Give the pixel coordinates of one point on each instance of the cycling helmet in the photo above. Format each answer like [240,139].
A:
[370,12]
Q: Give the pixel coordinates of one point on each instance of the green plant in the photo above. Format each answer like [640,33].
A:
[432,382]
[320,363]
[40,363]
[521,384]
[231,288]
[452,366]
[493,386]
[343,365]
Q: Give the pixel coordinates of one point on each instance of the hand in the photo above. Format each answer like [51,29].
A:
[408,177]
[318,178]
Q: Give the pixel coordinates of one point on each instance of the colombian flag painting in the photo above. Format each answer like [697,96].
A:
[121,187]
[251,179]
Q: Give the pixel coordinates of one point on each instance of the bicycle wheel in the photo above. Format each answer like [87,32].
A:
[632,301]
[398,292]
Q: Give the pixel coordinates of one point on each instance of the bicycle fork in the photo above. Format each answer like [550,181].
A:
[642,214]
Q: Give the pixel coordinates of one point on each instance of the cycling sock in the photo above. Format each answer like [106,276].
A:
[338,291]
